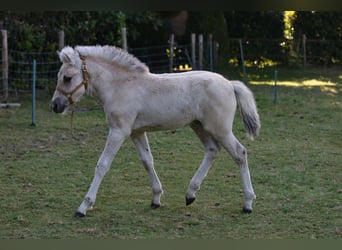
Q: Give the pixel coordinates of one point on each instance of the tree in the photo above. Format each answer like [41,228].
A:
[37,31]
[326,28]
[260,24]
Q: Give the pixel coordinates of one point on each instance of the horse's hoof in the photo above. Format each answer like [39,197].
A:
[189,201]
[79,214]
[246,210]
[154,206]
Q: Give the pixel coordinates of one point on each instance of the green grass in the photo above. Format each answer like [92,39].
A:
[295,166]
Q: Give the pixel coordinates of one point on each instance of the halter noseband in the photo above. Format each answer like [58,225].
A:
[69,95]
[83,83]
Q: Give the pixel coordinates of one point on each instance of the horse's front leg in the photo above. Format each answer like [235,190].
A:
[113,144]
[144,151]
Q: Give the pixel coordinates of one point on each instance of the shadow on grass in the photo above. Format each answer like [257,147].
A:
[324,79]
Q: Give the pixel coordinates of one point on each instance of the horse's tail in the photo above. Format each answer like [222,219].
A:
[248,108]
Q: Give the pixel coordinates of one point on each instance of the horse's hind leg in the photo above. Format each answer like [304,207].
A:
[144,152]
[239,154]
[211,150]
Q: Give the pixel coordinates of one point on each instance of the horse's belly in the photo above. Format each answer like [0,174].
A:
[166,121]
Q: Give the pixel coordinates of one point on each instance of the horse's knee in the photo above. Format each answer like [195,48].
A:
[240,154]
[211,152]
[214,148]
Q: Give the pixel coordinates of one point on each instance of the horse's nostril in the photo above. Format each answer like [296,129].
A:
[59,104]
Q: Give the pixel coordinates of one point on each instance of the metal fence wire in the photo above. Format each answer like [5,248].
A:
[317,52]
[20,65]
[157,58]
[20,71]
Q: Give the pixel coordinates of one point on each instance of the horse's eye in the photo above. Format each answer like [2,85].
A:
[67,79]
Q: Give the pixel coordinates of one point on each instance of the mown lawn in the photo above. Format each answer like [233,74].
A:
[295,166]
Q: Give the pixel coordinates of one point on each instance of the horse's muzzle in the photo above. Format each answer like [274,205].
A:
[59,104]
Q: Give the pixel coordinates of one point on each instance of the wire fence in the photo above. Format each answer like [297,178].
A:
[20,69]
[324,51]
[20,65]
[255,50]
[157,58]
[295,52]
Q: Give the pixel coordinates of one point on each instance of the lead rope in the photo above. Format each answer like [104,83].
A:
[71,121]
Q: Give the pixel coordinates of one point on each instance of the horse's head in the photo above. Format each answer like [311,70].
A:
[72,80]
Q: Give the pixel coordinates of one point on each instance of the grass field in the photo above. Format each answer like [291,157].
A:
[295,166]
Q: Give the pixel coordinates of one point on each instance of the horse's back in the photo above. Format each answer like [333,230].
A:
[199,87]
[176,99]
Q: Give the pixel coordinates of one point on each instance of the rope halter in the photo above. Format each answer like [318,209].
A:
[69,95]
[84,83]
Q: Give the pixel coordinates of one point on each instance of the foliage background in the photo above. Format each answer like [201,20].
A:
[37,31]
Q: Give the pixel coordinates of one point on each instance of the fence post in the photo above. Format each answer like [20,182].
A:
[304,50]
[216,46]
[61,40]
[200,51]
[210,43]
[124,38]
[4,59]
[243,62]
[34,94]
[193,50]
[275,87]
[172,40]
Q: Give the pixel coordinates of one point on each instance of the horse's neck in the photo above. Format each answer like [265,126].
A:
[104,78]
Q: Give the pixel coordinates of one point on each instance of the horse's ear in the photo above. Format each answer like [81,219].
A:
[67,58]
[64,58]
[65,55]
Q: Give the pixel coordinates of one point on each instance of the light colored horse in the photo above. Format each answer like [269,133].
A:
[136,101]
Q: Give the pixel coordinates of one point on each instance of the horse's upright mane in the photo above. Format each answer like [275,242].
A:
[114,54]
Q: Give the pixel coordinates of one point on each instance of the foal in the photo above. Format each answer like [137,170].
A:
[137,101]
